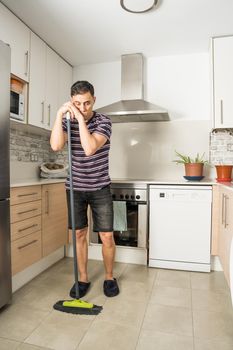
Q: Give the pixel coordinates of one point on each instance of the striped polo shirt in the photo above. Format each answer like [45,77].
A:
[90,173]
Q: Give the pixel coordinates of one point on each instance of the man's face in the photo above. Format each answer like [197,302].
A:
[84,103]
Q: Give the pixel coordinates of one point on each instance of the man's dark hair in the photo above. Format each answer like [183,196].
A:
[81,87]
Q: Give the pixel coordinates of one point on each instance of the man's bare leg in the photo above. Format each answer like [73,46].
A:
[82,253]
[108,251]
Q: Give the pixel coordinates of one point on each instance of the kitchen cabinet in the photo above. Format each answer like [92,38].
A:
[15,33]
[43,89]
[50,81]
[25,227]
[215,226]
[54,218]
[222,80]
[226,231]
[64,81]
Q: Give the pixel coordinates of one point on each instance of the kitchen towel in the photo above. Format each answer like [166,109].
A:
[120,217]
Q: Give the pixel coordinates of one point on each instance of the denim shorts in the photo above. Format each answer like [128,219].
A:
[101,205]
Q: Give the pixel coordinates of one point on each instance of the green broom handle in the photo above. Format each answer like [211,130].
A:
[72,206]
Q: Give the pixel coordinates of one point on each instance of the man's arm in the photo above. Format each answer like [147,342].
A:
[58,137]
[90,142]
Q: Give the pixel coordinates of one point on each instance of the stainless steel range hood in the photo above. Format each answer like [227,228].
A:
[132,107]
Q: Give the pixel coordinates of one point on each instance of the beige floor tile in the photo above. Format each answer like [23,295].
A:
[109,336]
[172,296]
[214,281]
[211,301]
[59,331]
[168,319]
[7,344]
[42,298]
[201,344]
[18,321]
[139,273]
[135,291]
[25,346]
[163,341]
[123,312]
[173,278]
[211,325]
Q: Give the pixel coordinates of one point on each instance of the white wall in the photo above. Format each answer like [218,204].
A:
[181,84]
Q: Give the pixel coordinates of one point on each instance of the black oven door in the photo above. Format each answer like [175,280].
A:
[136,233]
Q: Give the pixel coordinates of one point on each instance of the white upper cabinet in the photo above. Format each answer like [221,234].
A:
[222,61]
[17,35]
[36,107]
[51,97]
[65,82]
[43,87]
[50,81]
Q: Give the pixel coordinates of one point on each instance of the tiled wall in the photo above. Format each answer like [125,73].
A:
[26,146]
[221,147]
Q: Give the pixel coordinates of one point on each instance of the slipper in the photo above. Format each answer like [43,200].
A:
[83,288]
[111,288]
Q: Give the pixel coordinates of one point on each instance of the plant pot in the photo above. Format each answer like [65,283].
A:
[193,169]
[223,173]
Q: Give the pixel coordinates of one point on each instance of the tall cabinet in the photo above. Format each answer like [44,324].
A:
[50,81]
[226,234]
[17,35]
[222,79]
[43,88]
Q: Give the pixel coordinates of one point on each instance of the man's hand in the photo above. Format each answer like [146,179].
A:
[74,111]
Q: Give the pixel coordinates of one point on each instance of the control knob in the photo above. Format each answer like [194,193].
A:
[137,196]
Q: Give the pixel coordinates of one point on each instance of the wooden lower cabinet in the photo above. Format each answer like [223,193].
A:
[25,251]
[225,231]
[25,227]
[38,223]
[54,218]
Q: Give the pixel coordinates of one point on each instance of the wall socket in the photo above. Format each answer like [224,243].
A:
[34,157]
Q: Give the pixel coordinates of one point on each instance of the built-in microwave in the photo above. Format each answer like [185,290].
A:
[17,105]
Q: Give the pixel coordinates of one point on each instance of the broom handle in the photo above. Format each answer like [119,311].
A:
[72,206]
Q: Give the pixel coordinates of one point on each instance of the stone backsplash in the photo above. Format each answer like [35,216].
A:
[221,146]
[27,146]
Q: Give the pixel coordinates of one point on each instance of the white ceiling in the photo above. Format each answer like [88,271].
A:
[92,31]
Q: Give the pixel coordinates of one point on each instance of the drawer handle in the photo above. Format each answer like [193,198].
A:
[26,228]
[26,63]
[27,211]
[49,113]
[27,244]
[27,194]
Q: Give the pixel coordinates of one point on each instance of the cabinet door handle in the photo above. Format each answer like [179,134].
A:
[221,111]
[26,228]
[27,194]
[27,244]
[226,224]
[42,113]
[49,112]
[223,209]
[26,63]
[47,203]
[27,211]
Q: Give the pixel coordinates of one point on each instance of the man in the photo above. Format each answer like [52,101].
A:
[90,133]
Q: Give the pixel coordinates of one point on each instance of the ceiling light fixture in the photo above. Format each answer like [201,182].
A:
[138,6]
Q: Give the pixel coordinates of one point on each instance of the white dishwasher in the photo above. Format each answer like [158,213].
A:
[180,227]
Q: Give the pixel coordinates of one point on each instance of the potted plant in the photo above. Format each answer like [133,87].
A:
[193,166]
[223,172]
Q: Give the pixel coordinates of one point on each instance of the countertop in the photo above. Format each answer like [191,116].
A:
[204,182]
[34,182]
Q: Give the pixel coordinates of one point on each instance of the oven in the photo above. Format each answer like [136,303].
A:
[135,197]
